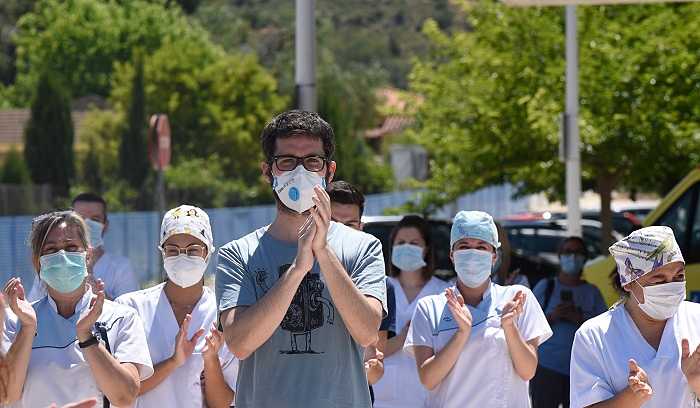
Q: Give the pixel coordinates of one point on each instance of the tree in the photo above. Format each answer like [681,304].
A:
[347,102]
[133,158]
[48,137]
[14,170]
[217,104]
[81,40]
[493,97]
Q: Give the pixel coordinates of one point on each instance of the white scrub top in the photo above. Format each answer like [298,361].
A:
[183,387]
[604,345]
[58,372]
[483,375]
[114,270]
[400,386]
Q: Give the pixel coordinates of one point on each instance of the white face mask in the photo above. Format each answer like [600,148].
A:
[661,301]
[183,270]
[407,257]
[473,266]
[296,188]
[96,229]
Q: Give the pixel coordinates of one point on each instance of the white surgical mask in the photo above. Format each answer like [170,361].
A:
[661,301]
[183,270]
[96,229]
[473,266]
[296,188]
[407,257]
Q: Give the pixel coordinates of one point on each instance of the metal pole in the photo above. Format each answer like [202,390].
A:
[573,155]
[160,187]
[305,44]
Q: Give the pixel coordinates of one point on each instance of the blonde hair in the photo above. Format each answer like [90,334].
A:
[45,223]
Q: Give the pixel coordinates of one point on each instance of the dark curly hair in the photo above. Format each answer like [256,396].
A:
[295,123]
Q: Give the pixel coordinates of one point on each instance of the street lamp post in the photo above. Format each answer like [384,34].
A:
[572,144]
[305,47]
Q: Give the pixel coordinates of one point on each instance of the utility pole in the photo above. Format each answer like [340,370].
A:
[305,45]
[572,150]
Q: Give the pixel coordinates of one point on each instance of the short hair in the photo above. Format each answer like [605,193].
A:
[419,223]
[295,123]
[573,238]
[342,192]
[91,198]
[45,223]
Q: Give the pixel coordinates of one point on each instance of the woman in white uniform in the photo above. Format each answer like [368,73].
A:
[476,344]
[70,344]
[191,369]
[643,351]
[411,274]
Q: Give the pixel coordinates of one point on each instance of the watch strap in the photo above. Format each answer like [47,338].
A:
[89,342]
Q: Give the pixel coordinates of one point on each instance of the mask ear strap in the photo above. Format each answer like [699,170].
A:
[635,297]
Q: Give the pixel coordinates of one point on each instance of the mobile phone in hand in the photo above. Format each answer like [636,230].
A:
[566,296]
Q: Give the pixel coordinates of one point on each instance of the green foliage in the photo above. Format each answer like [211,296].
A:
[201,182]
[494,95]
[100,131]
[133,157]
[347,102]
[48,139]
[80,40]
[379,36]
[14,170]
[217,104]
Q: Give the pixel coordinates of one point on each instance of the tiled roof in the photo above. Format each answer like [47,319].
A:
[12,122]
[391,125]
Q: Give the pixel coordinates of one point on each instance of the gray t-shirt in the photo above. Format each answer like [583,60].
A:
[311,360]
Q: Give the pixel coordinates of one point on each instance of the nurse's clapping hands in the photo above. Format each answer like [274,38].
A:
[214,340]
[512,309]
[88,318]
[19,304]
[183,346]
[460,312]
[638,382]
[690,364]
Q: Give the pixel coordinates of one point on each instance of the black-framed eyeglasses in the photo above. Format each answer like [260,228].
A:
[312,162]
[191,250]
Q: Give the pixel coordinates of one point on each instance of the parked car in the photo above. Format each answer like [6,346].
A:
[623,222]
[678,210]
[529,265]
[539,240]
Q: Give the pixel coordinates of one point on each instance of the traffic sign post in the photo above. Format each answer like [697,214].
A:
[159,153]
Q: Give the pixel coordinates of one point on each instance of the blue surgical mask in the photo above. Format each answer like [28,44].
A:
[407,257]
[63,271]
[96,229]
[572,264]
[473,266]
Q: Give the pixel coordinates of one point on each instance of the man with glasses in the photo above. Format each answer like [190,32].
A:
[300,298]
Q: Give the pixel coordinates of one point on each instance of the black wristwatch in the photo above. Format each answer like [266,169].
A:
[89,342]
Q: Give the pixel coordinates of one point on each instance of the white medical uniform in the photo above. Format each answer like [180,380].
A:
[604,345]
[183,387]
[400,386]
[483,375]
[114,270]
[58,372]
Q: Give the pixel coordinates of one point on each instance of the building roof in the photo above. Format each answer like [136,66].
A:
[13,121]
[398,108]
